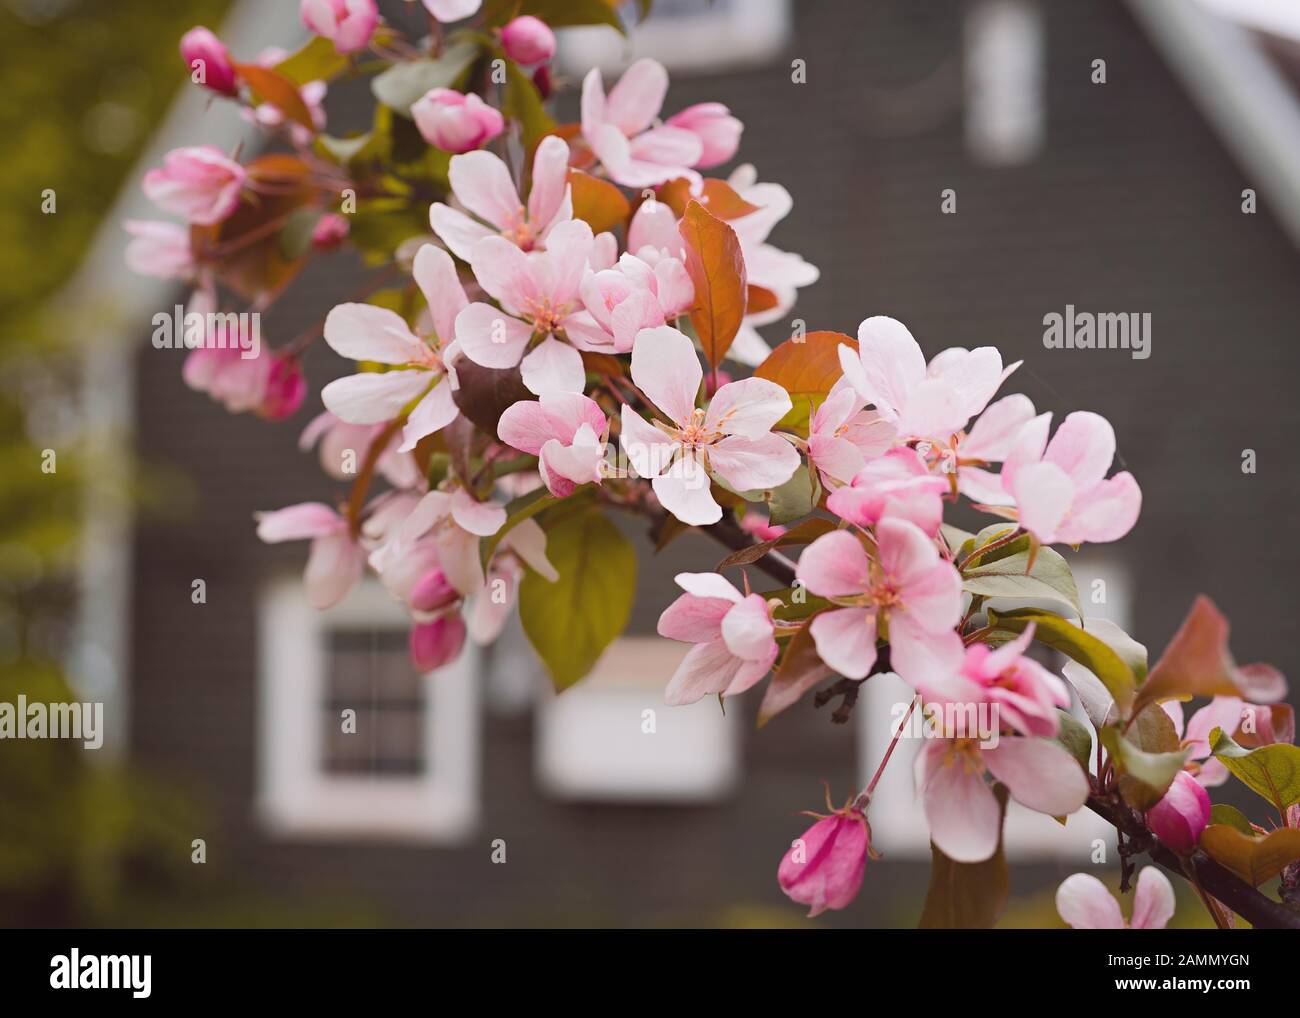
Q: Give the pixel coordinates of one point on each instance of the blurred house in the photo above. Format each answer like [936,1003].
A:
[1115,197]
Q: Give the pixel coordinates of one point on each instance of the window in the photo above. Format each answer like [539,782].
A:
[897,820]
[611,738]
[699,35]
[354,743]
[1004,81]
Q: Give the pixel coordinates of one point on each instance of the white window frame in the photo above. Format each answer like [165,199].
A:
[297,798]
[590,746]
[716,39]
[898,824]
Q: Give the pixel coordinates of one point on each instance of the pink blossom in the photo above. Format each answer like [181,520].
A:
[286,388]
[758,525]
[199,183]
[539,296]
[454,121]
[432,592]
[336,559]
[269,384]
[1083,901]
[990,440]
[718,131]
[344,446]
[960,807]
[443,529]
[159,249]
[330,231]
[481,184]
[653,233]
[824,867]
[931,402]
[437,643]
[348,24]
[1025,693]
[523,546]
[731,440]
[1060,487]
[734,637]
[843,436]
[528,40]
[636,296]
[1182,814]
[566,431]
[896,484]
[208,57]
[907,584]
[364,332]
[618,127]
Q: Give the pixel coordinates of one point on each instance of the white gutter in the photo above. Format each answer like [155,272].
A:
[111,308]
[1240,91]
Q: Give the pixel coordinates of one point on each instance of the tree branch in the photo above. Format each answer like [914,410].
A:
[1258,909]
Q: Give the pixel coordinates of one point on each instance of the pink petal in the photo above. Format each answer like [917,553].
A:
[1153,901]
[1083,901]
[711,585]
[458,231]
[636,100]
[504,272]
[1039,773]
[1105,512]
[835,565]
[707,668]
[433,413]
[754,464]
[684,492]
[667,146]
[694,619]
[481,182]
[907,556]
[372,396]
[1222,712]
[666,368]
[996,428]
[960,807]
[649,449]
[747,630]
[934,409]
[975,374]
[891,364]
[550,180]
[363,332]
[481,518]
[528,540]
[528,425]
[1083,447]
[926,659]
[553,367]
[1043,493]
[846,640]
[435,274]
[333,566]
[298,523]
[750,407]
[490,337]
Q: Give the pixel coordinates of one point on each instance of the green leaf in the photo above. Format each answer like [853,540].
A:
[1011,576]
[344,150]
[967,896]
[316,61]
[955,536]
[570,622]
[991,533]
[792,500]
[1147,756]
[295,235]
[1271,771]
[1222,813]
[522,102]
[1091,652]
[402,84]
[1073,735]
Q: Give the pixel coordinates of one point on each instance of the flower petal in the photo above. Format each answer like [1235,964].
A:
[372,396]
[754,464]
[835,565]
[553,367]
[665,367]
[363,332]
[846,640]
[490,337]
[1039,773]
[1083,901]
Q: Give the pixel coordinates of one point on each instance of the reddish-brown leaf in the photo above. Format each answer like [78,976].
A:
[272,87]
[717,268]
[718,197]
[602,205]
[807,365]
[760,299]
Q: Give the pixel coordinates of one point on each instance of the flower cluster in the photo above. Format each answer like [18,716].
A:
[571,332]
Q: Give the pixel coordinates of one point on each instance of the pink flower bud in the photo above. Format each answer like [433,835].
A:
[715,381]
[285,389]
[330,231]
[824,867]
[209,61]
[432,591]
[528,40]
[455,122]
[717,129]
[199,183]
[1179,818]
[434,644]
[348,24]
[159,249]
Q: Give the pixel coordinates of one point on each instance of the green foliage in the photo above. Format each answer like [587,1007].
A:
[570,622]
[1012,576]
[1271,771]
